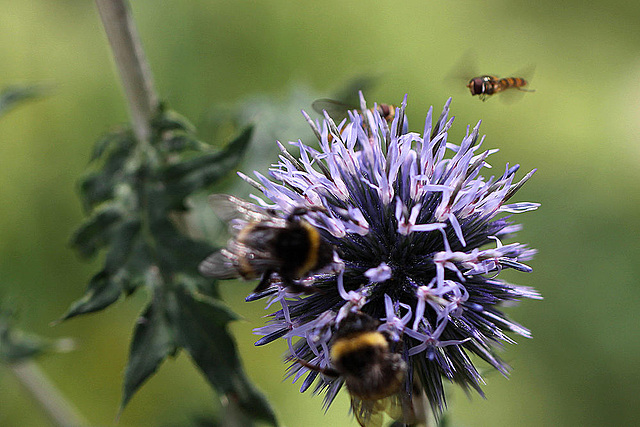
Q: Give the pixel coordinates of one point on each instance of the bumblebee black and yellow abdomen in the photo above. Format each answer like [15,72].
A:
[301,249]
[293,247]
[370,370]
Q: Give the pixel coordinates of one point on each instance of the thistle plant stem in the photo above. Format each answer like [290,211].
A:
[59,410]
[132,64]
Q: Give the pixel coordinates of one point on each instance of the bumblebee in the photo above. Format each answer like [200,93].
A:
[374,373]
[265,244]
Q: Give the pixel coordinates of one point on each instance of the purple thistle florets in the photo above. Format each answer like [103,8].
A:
[418,248]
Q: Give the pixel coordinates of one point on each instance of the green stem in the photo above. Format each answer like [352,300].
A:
[59,410]
[132,65]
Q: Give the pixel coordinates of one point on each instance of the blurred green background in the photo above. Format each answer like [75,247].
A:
[580,129]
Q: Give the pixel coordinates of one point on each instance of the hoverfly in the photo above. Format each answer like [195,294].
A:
[487,85]
[373,371]
[265,244]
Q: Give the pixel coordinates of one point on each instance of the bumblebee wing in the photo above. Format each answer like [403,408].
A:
[230,207]
[399,407]
[337,110]
[251,260]
[220,265]
[416,410]
[413,410]
[369,413]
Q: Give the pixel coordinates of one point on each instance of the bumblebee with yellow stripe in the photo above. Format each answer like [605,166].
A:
[265,244]
[487,85]
[374,373]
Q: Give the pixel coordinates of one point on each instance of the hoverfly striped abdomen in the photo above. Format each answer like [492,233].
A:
[487,85]
[511,82]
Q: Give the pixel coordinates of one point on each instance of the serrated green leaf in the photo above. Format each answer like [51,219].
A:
[91,235]
[204,289]
[179,252]
[13,95]
[101,293]
[118,140]
[200,172]
[181,142]
[123,239]
[168,120]
[108,168]
[153,340]
[215,353]
[18,346]
[226,158]
[14,349]
[146,184]
[139,270]
[15,346]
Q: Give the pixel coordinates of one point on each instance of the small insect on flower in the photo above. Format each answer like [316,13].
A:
[486,86]
[338,110]
[265,244]
[371,364]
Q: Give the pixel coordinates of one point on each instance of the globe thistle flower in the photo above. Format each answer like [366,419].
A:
[418,236]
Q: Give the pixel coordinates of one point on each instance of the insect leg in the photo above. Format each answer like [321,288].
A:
[265,281]
[295,286]
[325,371]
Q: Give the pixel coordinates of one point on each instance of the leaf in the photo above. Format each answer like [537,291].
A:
[153,340]
[109,161]
[200,172]
[197,323]
[168,120]
[179,252]
[17,346]
[214,351]
[13,95]
[131,196]
[92,234]
[101,293]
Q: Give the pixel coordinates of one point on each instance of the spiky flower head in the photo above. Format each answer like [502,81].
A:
[418,235]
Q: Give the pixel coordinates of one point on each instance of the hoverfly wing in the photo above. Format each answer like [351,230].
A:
[527,74]
[337,110]
[515,94]
[219,265]
[465,69]
[349,93]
